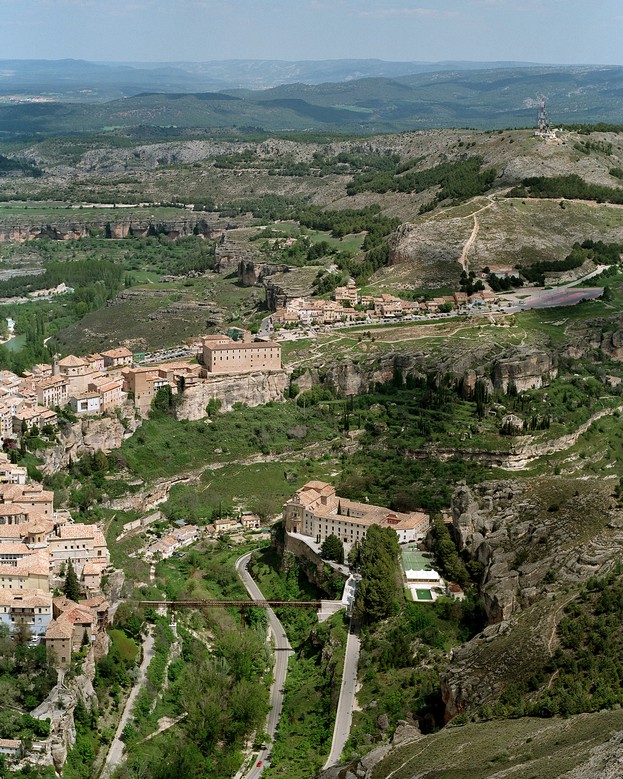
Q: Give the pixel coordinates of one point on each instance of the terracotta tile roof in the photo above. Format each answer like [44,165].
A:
[72,362]
[76,531]
[97,602]
[52,381]
[238,345]
[121,351]
[13,531]
[59,630]
[10,743]
[93,567]
[80,616]
[15,547]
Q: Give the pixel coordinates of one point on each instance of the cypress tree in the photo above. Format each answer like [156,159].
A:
[71,587]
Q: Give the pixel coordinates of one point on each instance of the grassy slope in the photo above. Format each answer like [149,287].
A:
[157,316]
[528,748]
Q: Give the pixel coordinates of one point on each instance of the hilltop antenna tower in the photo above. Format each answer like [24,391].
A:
[542,121]
[543,129]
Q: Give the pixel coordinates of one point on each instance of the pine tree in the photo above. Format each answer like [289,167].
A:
[71,587]
[333,549]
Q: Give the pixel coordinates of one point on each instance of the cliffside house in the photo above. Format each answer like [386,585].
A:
[53,391]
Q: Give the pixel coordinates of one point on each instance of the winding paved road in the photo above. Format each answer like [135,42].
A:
[283,651]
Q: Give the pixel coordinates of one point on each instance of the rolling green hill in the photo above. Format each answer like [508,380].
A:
[482,98]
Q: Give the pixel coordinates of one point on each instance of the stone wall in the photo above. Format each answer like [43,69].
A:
[313,565]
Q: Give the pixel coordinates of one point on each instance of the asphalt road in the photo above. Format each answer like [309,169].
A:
[348,688]
[283,651]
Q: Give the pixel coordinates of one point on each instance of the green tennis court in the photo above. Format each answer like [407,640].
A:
[413,558]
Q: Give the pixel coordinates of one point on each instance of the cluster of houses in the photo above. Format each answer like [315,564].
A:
[37,544]
[177,539]
[90,385]
[187,534]
[351,306]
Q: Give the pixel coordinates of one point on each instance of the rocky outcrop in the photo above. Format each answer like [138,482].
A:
[148,498]
[230,255]
[353,378]
[524,370]
[252,389]
[433,258]
[59,708]
[252,273]
[518,531]
[88,436]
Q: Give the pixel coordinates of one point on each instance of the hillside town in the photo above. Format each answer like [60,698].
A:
[349,305]
[106,381]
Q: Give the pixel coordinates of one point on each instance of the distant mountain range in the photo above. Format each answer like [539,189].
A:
[82,80]
[487,98]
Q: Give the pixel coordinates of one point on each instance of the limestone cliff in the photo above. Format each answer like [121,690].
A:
[284,286]
[525,370]
[537,541]
[60,704]
[69,231]
[88,436]
[599,335]
[230,254]
[253,389]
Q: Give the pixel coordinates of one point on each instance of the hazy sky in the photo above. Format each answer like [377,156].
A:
[556,31]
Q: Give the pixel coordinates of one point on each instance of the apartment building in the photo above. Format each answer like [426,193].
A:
[31,608]
[53,391]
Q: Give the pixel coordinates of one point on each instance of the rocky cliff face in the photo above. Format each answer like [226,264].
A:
[254,389]
[538,542]
[521,530]
[281,287]
[525,370]
[230,254]
[89,435]
[600,335]
[60,704]
[251,273]
[433,260]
